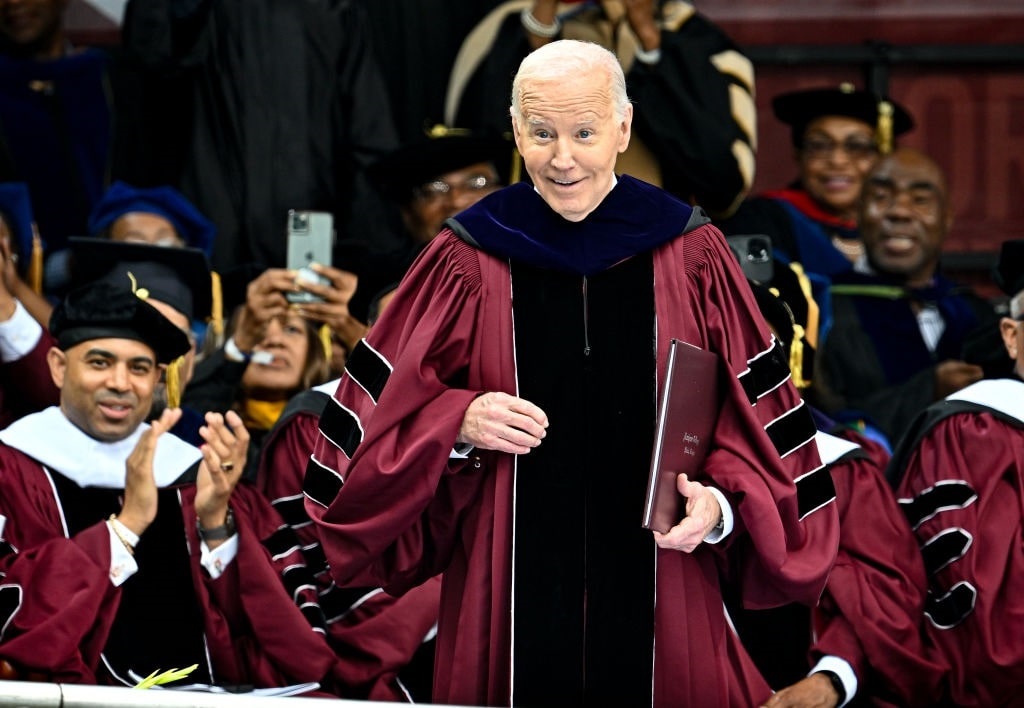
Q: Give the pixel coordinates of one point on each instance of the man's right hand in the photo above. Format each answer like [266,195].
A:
[140,491]
[952,375]
[498,421]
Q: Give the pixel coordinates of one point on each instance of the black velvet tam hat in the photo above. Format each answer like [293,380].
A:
[179,277]
[1009,270]
[103,310]
[440,151]
[800,108]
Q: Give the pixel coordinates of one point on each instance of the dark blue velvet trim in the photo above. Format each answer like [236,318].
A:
[516,223]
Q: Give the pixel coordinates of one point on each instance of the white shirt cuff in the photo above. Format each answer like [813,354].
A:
[217,560]
[18,335]
[122,563]
[460,451]
[843,670]
[727,518]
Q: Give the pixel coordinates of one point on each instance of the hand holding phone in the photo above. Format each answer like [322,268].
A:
[310,240]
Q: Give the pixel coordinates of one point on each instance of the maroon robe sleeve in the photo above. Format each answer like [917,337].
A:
[763,454]
[872,611]
[377,439]
[375,634]
[962,491]
[256,631]
[26,385]
[57,603]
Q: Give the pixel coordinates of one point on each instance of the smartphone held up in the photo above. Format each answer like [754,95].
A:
[310,240]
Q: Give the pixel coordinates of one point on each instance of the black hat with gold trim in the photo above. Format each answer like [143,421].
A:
[799,109]
[103,310]
[439,151]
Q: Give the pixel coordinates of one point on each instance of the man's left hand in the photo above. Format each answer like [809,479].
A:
[815,691]
[702,516]
[224,456]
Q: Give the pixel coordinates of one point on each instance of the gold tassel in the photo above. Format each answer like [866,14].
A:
[515,174]
[796,357]
[35,264]
[216,308]
[813,313]
[172,382]
[325,340]
[885,111]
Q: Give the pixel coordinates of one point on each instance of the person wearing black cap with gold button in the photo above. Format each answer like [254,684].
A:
[959,475]
[177,282]
[126,550]
[837,135]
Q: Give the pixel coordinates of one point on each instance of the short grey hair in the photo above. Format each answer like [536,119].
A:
[570,57]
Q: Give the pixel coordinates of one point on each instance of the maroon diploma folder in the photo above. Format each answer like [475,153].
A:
[686,421]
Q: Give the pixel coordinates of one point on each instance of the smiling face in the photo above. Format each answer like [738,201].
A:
[569,136]
[905,216]
[106,385]
[835,155]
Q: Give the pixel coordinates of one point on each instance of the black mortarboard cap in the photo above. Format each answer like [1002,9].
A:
[799,108]
[1009,269]
[440,151]
[179,277]
[194,229]
[103,310]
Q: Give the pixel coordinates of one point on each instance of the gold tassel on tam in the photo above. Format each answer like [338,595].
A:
[172,382]
[516,173]
[35,264]
[813,313]
[885,112]
[325,340]
[796,358]
[216,308]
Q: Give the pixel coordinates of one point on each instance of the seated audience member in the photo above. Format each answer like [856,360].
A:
[160,216]
[25,383]
[959,476]
[23,264]
[899,327]
[273,352]
[177,282]
[433,179]
[693,89]
[838,134]
[126,550]
[394,635]
[864,640]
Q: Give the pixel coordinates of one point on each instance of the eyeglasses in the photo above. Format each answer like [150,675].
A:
[438,189]
[857,148]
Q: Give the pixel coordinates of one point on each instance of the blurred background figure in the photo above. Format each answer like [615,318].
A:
[694,132]
[25,382]
[281,107]
[160,216]
[838,134]
[900,328]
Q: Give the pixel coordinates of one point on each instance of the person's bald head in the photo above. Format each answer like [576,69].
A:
[905,215]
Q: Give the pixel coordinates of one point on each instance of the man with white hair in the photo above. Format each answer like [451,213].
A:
[532,319]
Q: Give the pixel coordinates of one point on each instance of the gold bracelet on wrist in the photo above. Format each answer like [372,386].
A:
[120,537]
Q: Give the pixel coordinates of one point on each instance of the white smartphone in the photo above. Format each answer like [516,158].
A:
[310,240]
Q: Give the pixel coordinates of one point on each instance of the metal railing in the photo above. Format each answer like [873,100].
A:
[63,695]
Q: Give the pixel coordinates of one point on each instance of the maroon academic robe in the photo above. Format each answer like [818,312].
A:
[26,385]
[57,602]
[872,609]
[962,487]
[374,633]
[393,509]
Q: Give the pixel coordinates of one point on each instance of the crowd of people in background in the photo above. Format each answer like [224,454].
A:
[376,491]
